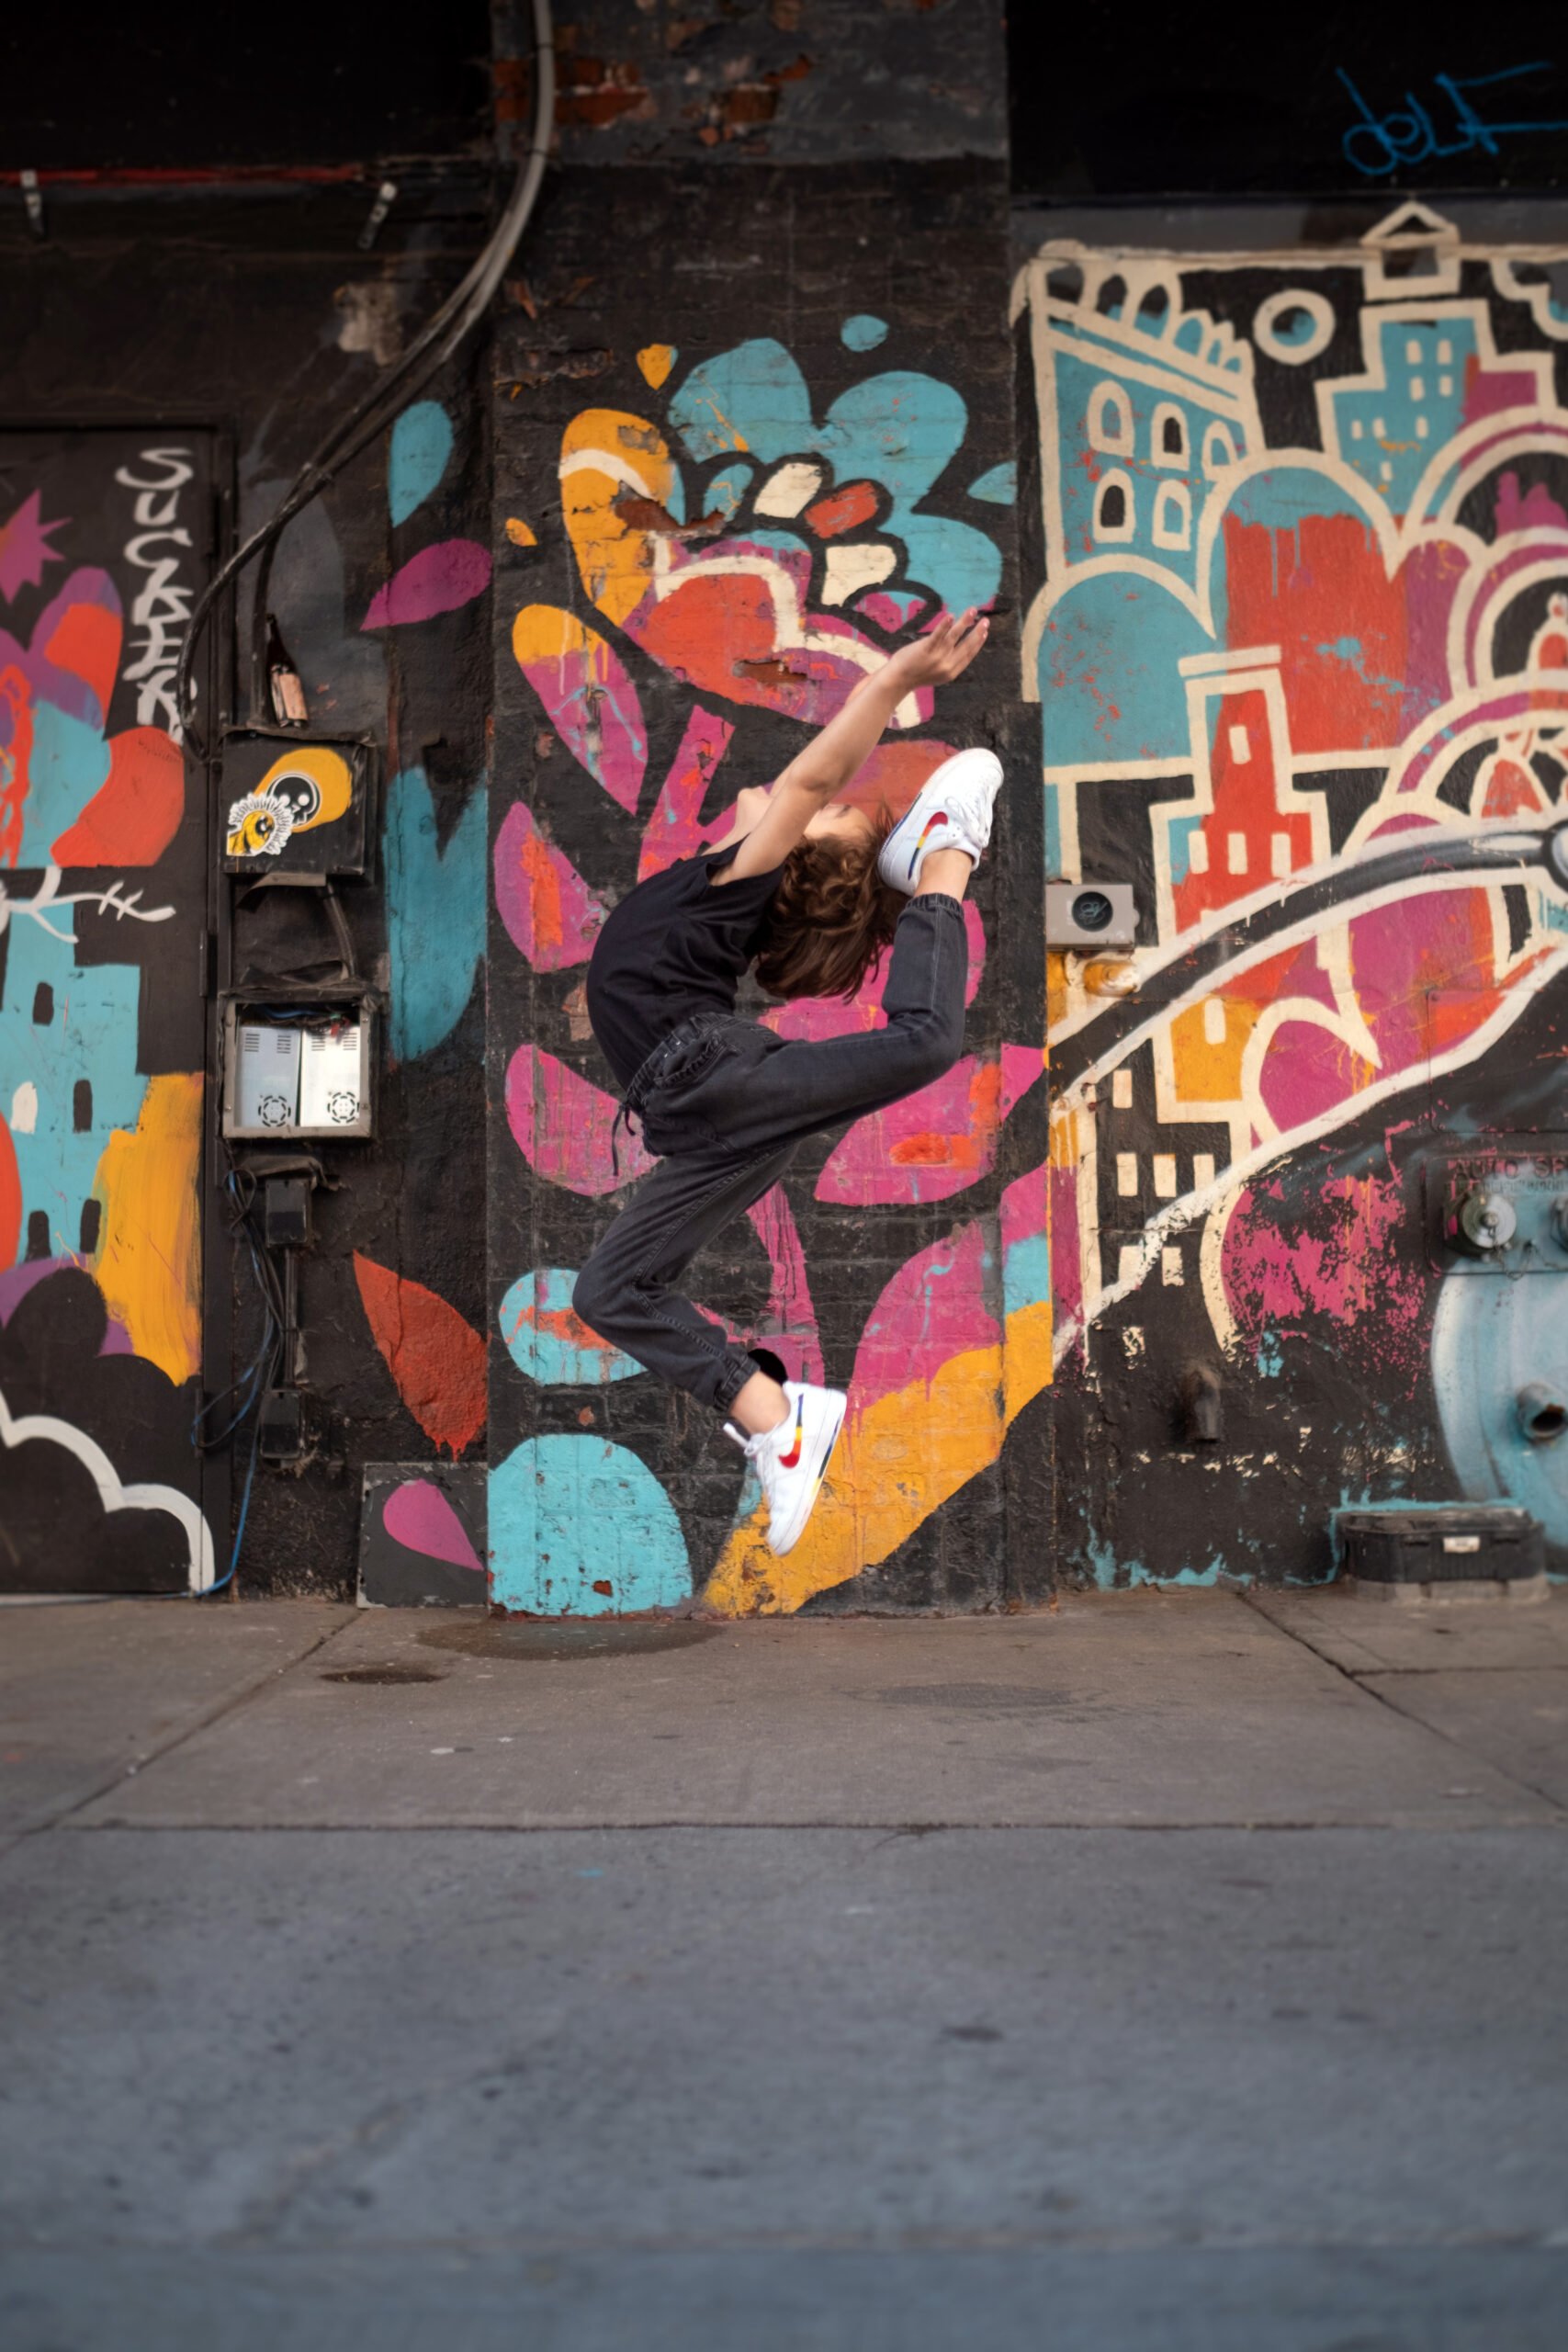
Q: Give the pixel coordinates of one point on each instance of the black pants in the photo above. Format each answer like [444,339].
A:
[726,1102]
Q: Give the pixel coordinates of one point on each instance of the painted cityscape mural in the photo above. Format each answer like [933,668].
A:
[1300,543]
[104,548]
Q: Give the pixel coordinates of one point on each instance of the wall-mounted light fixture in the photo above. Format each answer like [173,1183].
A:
[1090,914]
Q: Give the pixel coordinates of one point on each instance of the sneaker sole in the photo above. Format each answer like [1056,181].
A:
[906,884]
[832,1440]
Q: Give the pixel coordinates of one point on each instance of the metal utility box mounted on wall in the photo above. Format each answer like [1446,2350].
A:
[298,1063]
[298,804]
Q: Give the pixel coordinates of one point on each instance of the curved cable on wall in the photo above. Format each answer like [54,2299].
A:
[430,350]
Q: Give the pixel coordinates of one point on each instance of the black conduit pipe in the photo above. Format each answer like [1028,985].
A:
[430,350]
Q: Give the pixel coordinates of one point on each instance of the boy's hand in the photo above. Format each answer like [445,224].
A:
[937,659]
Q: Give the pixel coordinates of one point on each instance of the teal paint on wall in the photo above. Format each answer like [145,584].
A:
[422,446]
[435,913]
[581,1528]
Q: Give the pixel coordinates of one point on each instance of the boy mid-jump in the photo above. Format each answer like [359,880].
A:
[810,890]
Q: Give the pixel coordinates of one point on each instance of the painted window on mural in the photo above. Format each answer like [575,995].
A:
[1114,514]
[1168,439]
[1110,419]
[1173,514]
[1219,448]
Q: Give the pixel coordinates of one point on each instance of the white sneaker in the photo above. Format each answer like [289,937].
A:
[790,1460]
[951,810]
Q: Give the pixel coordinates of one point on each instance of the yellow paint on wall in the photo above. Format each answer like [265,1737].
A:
[519,533]
[1066,1145]
[1208,1070]
[897,1462]
[606,458]
[1027,1365]
[148,1257]
[1056,988]
[548,633]
[656,360]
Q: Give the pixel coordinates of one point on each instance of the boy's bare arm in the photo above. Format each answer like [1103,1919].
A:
[834,757]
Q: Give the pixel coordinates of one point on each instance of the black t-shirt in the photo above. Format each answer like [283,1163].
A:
[678,943]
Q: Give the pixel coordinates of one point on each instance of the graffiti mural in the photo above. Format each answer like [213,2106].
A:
[104,548]
[736,546]
[1300,651]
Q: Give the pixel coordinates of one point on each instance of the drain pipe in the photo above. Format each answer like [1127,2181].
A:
[1542,1413]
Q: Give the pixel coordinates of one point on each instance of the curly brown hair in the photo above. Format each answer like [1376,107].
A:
[831,916]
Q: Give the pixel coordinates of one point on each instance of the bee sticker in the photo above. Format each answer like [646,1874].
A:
[312,786]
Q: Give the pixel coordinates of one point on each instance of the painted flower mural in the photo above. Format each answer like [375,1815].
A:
[740,560]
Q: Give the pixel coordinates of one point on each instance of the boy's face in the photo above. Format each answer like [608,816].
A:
[838,821]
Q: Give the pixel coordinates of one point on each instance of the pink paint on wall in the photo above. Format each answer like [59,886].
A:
[562,1126]
[934,1308]
[418,1515]
[1024,1210]
[1283,1262]
[1066,1243]
[676,830]
[548,908]
[588,697]
[791,1314]
[1309,1071]
[936,1142]
[1534,509]
[437,580]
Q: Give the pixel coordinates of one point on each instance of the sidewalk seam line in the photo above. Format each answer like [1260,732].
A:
[1359,1681]
[155,1756]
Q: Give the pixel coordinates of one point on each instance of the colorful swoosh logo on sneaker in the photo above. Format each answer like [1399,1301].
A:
[788,1461]
[938,818]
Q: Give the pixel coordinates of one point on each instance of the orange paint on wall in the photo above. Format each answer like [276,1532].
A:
[149,1258]
[435,1357]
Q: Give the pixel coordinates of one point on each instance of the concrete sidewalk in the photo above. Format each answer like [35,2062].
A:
[1167,1971]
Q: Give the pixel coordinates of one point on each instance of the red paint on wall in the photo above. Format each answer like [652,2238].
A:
[16,697]
[86,641]
[134,816]
[842,510]
[1318,592]
[435,1357]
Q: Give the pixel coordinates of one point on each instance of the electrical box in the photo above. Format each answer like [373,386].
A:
[295,804]
[298,1065]
[285,1212]
[1090,914]
[282,1432]
[1499,1206]
[1438,1543]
